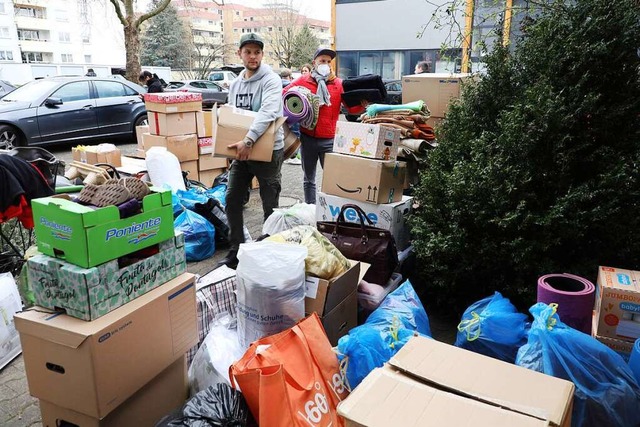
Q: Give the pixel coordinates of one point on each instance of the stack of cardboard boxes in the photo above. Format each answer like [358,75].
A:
[177,122]
[617,311]
[115,314]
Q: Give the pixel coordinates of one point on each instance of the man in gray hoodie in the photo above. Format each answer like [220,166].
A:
[259,89]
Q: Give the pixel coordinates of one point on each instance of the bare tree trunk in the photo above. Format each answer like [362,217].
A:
[132,43]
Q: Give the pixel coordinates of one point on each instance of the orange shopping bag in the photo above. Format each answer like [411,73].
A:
[292,378]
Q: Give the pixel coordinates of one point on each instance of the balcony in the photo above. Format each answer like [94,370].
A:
[34,23]
[30,3]
[35,46]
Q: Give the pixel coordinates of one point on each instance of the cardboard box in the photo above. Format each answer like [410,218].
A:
[89,293]
[366,140]
[172,124]
[208,162]
[163,394]
[205,145]
[232,125]
[366,180]
[429,383]
[341,319]
[435,89]
[89,154]
[88,237]
[184,147]
[93,367]
[623,348]
[618,304]
[291,142]
[389,216]
[140,130]
[192,168]
[10,304]
[322,296]
[204,122]
[207,177]
[173,102]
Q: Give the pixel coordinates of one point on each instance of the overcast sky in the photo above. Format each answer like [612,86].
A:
[319,9]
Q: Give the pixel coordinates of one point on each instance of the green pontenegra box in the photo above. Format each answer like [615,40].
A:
[88,237]
[89,293]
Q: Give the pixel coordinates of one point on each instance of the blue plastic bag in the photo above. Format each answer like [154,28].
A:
[493,327]
[218,192]
[177,206]
[606,392]
[199,235]
[188,198]
[369,346]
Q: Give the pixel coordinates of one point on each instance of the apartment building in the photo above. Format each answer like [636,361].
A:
[40,38]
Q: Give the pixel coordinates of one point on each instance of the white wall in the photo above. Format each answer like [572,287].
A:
[386,25]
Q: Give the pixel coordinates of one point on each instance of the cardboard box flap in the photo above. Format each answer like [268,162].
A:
[485,379]
[388,398]
[35,323]
[232,117]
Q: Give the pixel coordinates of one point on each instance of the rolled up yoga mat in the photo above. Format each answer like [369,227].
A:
[301,106]
[634,360]
[574,295]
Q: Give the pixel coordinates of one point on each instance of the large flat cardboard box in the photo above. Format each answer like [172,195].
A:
[172,124]
[184,147]
[207,177]
[191,167]
[208,162]
[94,367]
[365,180]
[88,237]
[617,303]
[89,293]
[140,130]
[435,89]
[389,216]
[204,123]
[366,140]
[429,383]
[163,394]
[89,154]
[232,125]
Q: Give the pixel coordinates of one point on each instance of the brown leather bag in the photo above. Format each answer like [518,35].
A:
[363,242]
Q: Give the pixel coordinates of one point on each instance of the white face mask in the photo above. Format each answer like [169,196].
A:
[323,69]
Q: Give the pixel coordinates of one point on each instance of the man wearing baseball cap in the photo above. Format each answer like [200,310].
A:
[316,142]
[258,89]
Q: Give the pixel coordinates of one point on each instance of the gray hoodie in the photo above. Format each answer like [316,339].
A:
[261,92]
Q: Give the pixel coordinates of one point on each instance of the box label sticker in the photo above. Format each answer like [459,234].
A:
[624,279]
[311,287]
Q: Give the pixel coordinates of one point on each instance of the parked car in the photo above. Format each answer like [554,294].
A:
[211,92]
[394,97]
[222,77]
[69,109]
[5,88]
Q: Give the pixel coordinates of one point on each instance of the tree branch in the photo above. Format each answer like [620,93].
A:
[161,6]
[121,17]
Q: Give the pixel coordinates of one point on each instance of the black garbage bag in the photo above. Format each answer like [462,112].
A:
[216,406]
[214,212]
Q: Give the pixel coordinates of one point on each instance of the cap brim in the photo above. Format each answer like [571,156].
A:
[328,52]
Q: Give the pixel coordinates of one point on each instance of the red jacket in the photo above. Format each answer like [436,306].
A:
[329,115]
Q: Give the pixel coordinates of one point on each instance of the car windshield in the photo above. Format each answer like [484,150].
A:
[30,91]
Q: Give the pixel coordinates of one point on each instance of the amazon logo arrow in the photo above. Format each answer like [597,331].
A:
[357,190]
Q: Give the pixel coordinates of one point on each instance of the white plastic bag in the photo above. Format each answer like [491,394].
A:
[164,168]
[286,218]
[219,350]
[271,289]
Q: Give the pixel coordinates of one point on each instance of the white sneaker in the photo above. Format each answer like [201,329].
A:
[293,161]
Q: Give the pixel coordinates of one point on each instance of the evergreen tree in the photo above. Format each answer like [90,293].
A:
[537,170]
[305,44]
[166,42]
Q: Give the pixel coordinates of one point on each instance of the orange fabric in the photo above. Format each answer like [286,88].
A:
[296,381]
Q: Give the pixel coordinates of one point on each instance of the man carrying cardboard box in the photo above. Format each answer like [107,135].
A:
[259,89]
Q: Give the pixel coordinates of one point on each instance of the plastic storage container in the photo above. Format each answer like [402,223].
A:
[370,302]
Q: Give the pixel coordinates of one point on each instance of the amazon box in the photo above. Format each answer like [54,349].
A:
[362,179]
[172,124]
[429,383]
[184,147]
[232,125]
[94,367]
[158,398]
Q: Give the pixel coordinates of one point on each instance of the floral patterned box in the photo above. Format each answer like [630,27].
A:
[173,102]
[366,140]
[89,293]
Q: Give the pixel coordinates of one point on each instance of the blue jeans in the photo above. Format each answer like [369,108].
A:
[312,149]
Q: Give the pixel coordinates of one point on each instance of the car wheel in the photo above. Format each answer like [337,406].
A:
[141,121]
[10,137]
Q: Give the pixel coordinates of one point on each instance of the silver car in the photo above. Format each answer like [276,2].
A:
[212,93]
[70,109]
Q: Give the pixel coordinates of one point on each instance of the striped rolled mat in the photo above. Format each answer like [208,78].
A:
[574,295]
[301,106]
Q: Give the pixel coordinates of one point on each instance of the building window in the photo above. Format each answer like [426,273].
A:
[86,39]
[251,19]
[2,8]
[64,37]
[270,28]
[210,22]
[6,55]
[4,33]
[29,57]
[33,35]
[67,57]
[62,16]
[30,12]
[87,59]
[237,13]
[235,30]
